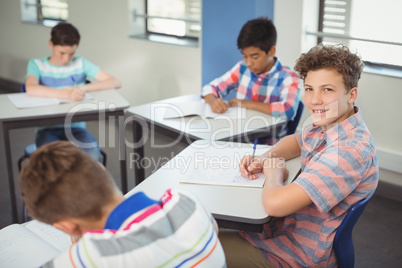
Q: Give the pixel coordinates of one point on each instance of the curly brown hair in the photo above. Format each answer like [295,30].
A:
[61,181]
[336,57]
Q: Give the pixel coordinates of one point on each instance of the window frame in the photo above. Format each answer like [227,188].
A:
[149,35]
[370,66]
[39,18]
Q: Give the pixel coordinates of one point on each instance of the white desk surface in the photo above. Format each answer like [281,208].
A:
[103,100]
[204,128]
[232,203]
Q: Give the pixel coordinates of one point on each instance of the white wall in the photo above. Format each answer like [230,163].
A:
[151,71]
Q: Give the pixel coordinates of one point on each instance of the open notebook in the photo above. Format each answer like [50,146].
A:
[200,108]
[22,100]
[220,166]
[31,245]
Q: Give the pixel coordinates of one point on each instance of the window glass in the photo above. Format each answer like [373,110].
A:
[370,27]
[54,9]
[46,12]
[174,17]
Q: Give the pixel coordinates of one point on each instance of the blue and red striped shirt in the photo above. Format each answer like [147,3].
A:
[339,167]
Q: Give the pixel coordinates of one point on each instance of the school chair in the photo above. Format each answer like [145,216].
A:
[343,241]
[291,125]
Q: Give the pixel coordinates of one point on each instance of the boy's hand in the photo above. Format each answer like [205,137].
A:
[219,106]
[253,166]
[75,94]
[74,239]
[275,168]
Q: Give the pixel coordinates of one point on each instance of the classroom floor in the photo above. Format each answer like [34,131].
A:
[377,234]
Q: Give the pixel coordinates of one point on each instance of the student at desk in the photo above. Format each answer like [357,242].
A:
[339,167]
[64,76]
[63,186]
[260,81]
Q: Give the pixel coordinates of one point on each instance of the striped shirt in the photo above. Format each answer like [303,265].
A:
[339,167]
[279,87]
[175,231]
[75,72]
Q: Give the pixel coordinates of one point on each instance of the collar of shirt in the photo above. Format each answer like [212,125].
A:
[128,207]
[344,127]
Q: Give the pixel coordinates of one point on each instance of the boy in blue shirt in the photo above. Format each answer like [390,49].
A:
[64,76]
[260,81]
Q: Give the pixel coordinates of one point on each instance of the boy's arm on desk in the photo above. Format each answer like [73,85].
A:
[278,199]
[33,88]
[102,81]
[252,105]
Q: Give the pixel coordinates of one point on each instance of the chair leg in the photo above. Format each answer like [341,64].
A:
[25,215]
[20,160]
[103,157]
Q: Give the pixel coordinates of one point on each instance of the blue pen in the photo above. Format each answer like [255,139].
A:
[75,83]
[252,157]
[219,92]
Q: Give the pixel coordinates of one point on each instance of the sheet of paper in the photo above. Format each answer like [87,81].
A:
[225,177]
[52,235]
[235,112]
[220,166]
[22,100]
[176,110]
[19,247]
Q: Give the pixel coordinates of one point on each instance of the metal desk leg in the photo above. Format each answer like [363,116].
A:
[139,172]
[122,155]
[13,197]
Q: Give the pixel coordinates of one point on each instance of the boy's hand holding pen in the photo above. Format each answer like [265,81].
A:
[252,157]
[219,106]
[76,92]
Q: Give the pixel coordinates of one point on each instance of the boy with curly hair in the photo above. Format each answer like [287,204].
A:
[339,167]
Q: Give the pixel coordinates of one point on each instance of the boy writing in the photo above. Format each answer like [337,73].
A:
[338,168]
[260,81]
[61,185]
[63,75]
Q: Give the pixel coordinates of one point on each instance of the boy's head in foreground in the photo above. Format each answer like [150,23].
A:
[330,74]
[64,40]
[257,41]
[60,181]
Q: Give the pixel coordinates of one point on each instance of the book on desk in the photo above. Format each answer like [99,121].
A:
[200,108]
[31,244]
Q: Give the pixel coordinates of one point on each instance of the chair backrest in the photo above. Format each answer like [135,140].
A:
[343,241]
[292,124]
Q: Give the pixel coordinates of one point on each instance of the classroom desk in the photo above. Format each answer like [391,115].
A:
[232,207]
[149,117]
[106,104]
